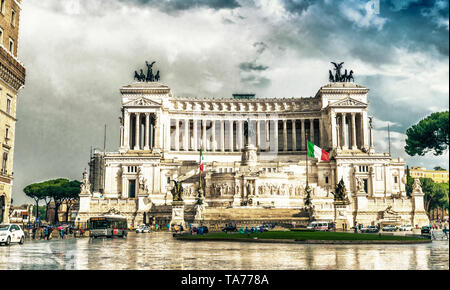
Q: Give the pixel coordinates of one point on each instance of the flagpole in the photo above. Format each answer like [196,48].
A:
[199,168]
[306,141]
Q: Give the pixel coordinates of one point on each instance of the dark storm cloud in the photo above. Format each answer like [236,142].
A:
[180,5]
[77,57]
[261,46]
[252,66]
[296,6]
[408,27]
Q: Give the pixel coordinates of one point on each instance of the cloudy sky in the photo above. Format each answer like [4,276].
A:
[78,53]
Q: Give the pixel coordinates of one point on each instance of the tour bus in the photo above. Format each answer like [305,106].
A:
[108,226]
[320,226]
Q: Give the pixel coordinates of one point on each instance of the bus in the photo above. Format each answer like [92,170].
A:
[108,226]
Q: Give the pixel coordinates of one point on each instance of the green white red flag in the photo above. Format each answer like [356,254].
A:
[317,152]
[201,159]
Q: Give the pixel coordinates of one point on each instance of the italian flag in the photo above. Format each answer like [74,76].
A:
[317,152]
[201,158]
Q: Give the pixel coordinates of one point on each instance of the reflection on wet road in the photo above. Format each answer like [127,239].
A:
[160,251]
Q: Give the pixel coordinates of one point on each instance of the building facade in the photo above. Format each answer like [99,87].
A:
[254,156]
[438,176]
[12,78]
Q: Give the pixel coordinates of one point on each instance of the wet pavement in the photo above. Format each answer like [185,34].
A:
[161,251]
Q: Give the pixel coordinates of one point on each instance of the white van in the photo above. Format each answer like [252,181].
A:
[320,226]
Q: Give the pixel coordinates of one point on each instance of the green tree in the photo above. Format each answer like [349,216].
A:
[35,192]
[438,168]
[58,190]
[429,135]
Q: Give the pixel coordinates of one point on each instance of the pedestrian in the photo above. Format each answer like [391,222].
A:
[61,233]
[444,230]
[33,235]
[246,231]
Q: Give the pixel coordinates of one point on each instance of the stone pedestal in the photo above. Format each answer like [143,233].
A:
[178,214]
[199,213]
[419,216]
[342,215]
[361,200]
[249,156]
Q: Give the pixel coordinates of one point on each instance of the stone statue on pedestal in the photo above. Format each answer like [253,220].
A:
[340,194]
[177,191]
[417,187]
[359,184]
[85,185]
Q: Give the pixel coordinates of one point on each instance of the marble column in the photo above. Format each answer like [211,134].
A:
[137,139]
[321,142]
[258,133]
[294,136]
[365,129]
[285,135]
[222,135]
[334,136]
[353,132]
[194,133]
[240,135]
[126,138]
[302,135]
[121,136]
[159,134]
[186,135]
[177,135]
[203,145]
[267,135]
[213,135]
[344,132]
[275,130]
[147,131]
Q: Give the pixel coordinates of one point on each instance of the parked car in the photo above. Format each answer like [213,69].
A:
[229,228]
[425,230]
[370,229]
[389,228]
[406,228]
[143,229]
[11,234]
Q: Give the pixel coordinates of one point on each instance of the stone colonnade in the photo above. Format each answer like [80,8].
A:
[350,128]
[138,131]
[225,135]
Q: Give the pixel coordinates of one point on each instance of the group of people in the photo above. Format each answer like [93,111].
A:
[252,230]
[199,230]
[46,232]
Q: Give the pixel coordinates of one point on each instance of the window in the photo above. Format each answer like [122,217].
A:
[2,6]
[13,18]
[4,162]
[8,105]
[326,179]
[1,35]
[395,179]
[7,133]
[11,45]
[132,188]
